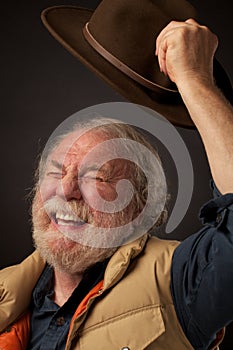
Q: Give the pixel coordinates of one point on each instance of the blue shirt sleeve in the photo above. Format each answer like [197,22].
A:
[202,274]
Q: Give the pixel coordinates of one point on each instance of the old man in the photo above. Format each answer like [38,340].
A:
[127,292]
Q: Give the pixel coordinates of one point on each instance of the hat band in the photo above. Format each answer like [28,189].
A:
[120,65]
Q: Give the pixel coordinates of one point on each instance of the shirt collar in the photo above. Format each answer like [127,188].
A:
[44,286]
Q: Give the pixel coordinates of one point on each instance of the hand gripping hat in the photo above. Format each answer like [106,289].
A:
[117,42]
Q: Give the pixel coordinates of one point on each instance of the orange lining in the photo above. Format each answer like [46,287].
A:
[83,305]
[16,336]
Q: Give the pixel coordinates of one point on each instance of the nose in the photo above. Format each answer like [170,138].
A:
[68,188]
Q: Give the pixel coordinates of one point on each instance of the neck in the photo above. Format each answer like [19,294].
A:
[64,285]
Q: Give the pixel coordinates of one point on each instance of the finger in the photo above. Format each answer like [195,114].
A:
[162,61]
[162,51]
[191,21]
[165,31]
[163,46]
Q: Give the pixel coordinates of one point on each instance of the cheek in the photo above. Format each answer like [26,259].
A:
[39,215]
[107,191]
[37,203]
[48,188]
[95,193]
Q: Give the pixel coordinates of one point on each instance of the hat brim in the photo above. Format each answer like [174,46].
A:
[66,24]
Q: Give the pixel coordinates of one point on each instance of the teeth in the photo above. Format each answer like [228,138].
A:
[67,219]
[63,223]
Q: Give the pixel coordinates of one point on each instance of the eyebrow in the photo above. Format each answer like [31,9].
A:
[85,169]
[94,167]
[57,164]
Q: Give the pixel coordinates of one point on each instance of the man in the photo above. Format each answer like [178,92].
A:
[147,294]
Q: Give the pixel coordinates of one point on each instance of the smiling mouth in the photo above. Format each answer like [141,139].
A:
[68,220]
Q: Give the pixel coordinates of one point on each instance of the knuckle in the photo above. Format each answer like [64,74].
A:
[205,28]
[191,21]
[173,23]
[195,29]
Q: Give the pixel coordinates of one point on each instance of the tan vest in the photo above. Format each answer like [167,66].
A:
[133,310]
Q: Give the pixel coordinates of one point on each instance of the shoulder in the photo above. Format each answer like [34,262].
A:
[16,285]
[160,247]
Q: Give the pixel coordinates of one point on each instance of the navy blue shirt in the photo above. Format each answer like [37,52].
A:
[49,322]
[201,285]
[202,274]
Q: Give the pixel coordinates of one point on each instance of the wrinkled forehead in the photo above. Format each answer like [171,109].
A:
[77,141]
[93,145]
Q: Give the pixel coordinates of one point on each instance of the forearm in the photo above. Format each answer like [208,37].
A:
[190,66]
[213,117]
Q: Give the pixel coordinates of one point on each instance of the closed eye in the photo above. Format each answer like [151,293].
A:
[93,178]
[55,174]
[100,179]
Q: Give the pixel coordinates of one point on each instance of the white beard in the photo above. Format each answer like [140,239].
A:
[67,253]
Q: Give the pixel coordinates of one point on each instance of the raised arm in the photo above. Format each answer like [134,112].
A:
[185,52]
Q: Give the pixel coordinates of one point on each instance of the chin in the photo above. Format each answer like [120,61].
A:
[62,246]
[66,255]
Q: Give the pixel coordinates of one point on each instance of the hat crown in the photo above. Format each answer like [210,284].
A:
[128,30]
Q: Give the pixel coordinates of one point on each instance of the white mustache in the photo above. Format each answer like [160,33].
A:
[56,205]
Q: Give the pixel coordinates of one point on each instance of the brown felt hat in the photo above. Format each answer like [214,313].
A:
[117,42]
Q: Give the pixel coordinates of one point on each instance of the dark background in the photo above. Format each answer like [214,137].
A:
[41,85]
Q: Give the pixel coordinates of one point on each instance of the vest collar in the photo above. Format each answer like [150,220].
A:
[120,261]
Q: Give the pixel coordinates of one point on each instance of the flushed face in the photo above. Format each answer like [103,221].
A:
[79,202]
